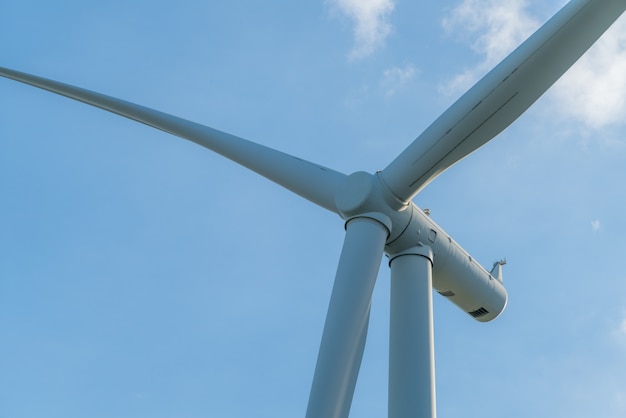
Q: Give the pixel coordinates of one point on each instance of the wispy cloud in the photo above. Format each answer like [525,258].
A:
[619,330]
[371,25]
[592,92]
[620,399]
[396,78]
[493,28]
[618,337]
[595,88]
[595,225]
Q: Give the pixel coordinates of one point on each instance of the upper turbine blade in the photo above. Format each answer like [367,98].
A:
[311,181]
[502,95]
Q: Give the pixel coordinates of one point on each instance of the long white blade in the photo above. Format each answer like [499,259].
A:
[345,329]
[502,95]
[311,181]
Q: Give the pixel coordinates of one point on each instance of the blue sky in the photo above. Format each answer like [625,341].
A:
[144,276]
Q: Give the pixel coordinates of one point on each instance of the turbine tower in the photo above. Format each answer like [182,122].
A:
[380,217]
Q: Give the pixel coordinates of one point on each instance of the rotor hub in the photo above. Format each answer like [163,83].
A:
[363,195]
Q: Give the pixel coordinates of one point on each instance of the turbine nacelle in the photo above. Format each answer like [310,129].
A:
[456,274]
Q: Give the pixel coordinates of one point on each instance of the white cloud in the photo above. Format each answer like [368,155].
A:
[595,88]
[371,23]
[620,399]
[592,92]
[396,78]
[595,225]
[619,331]
[493,28]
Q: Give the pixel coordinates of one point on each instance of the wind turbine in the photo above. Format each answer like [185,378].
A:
[380,216]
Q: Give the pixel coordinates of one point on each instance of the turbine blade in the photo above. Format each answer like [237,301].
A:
[345,330]
[311,181]
[502,95]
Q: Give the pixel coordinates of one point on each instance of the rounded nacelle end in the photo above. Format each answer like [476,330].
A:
[467,284]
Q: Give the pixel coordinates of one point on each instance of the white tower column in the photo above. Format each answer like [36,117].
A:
[411,338]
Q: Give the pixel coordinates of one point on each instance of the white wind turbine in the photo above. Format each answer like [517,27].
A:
[381,218]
